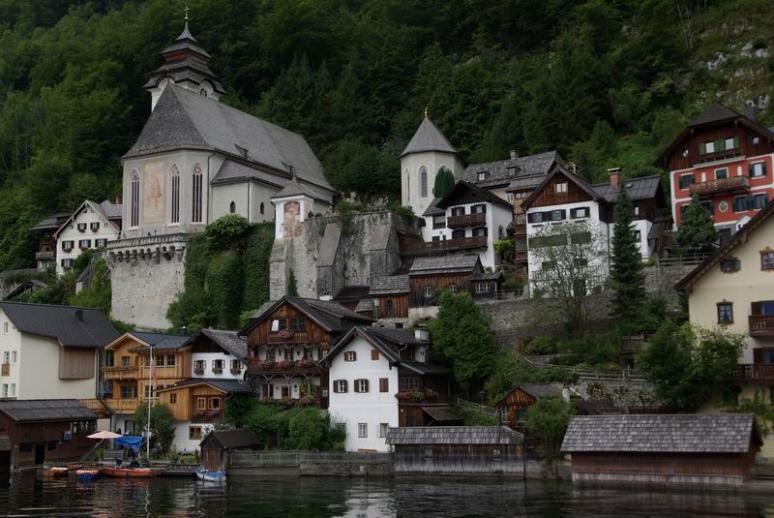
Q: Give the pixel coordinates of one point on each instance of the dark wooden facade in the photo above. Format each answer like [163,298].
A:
[692,140]
[391,306]
[314,334]
[426,288]
[416,391]
[216,447]
[35,443]
[548,195]
[513,408]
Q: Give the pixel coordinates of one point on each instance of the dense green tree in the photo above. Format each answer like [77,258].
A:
[547,422]
[461,334]
[697,232]
[626,270]
[444,181]
[162,424]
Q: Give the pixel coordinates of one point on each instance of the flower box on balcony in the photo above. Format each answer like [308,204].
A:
[199,371]
[236,370]
[217,370]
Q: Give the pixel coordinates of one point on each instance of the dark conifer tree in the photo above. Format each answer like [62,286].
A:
[697,232]
[444,181]
[626,269]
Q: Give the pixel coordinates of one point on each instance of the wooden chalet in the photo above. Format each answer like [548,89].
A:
[287,340]
[126,368]
[45,430]
[513,407]
[671,449]
[457,449]
[388,299]
[429,276]
[218,444]
[45,253]
[200,400]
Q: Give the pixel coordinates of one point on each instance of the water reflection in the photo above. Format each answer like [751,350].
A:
[333,497]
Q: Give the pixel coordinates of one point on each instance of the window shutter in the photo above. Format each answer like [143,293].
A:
[703,148]
[720,145]
[384,385]
[736,142]
[763,168]
[758,355]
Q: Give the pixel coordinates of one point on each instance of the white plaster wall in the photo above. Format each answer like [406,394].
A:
[87,216]
[39,373]
[261,194]
[410,184]
[182,443]
[372,407]
[307,204]
[210,358]
[224,194]
[10,341]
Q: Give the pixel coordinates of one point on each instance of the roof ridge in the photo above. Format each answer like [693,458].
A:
[38,304]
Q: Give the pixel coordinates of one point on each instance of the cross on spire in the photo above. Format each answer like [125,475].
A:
[425,112]
[187,9]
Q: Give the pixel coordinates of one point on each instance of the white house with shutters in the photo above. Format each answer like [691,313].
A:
[91,226]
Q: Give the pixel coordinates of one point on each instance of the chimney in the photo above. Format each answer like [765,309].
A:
[79,315]
[750,112]
[615,175]
[514,154]
[421,334]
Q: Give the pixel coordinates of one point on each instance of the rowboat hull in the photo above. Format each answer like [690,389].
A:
[54,472]
[128,472]
[210,476]
[87,475]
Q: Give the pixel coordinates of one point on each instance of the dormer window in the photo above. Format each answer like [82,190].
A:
[482,175]
[511,170]
[560,188]
[203,92]
[94,226]
[81,227]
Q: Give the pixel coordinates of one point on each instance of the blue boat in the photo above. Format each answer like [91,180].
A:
[210,476]
[87,475]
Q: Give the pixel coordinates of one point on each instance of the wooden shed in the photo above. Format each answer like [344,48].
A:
[514,405]
[457,449]
[662,449]
[217,446]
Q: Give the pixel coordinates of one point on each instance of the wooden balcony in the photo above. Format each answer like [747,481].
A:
[174,372]
[732,184]
[289,337]
[447,245]
[207,416]
[755,372]
[761,326]
[468,220]
[123,406]
[46,255]
[285,368]
[5,369]
[120,373]
[718,155]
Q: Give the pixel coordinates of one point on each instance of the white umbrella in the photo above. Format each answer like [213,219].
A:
[105,434]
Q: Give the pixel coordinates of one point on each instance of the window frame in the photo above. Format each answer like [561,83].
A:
[350,356]
[767,260]
[340,386]
[725,308]
[384,385]
[361,386]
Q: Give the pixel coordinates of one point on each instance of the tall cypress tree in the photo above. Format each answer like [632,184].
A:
[444,181]
[626,269]
[697,232]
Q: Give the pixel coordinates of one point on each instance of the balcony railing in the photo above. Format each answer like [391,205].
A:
[718,155]
[123,406]
[724,185]
[300,368]
[5,369]
[445,245]
[165,372]
[468,220]
[755,372]
[120,373]
[206,416]
[288,337]
[762,326]
[44,255]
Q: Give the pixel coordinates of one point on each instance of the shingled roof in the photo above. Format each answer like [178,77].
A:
[161,341]
[296,188]
[109,211]
[642,188]
[453,435]
[504,172]
[428,138]
[184,119]
[231,439]
[69,325]
[661,433]
[229,341]
[389,285]
[46,410]
[462,188]
[330,315]
[429,265]
[229,386]
[234,172]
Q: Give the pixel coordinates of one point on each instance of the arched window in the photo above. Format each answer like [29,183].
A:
[232,207]
[423,182]
[196,199]
[175,205]
[134,219]
[262,210]
[408,185]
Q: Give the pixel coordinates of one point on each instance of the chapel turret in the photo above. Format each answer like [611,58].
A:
[187,65]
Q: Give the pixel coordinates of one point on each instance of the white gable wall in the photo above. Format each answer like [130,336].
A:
[70,234]
[410,183]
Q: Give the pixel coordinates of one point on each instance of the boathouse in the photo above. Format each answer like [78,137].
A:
[513,407]
[658,449]
[457,449]
[218,445]
[45,430]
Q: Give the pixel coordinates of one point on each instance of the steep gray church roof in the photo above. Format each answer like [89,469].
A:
[428,138]
[185,119]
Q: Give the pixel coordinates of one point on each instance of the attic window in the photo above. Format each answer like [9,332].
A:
[482,176]
[203,92]
[242,151]
[756,141]
[512,170]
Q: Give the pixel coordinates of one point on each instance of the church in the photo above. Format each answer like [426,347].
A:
[195,160]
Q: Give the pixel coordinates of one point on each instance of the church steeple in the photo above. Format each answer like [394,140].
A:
[186,64]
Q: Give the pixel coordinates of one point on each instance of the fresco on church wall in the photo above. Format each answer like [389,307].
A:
[292,219]
[153,204]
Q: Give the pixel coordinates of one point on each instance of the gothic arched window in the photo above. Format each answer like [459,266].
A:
[232,207]
[175,205]
[408,185]
[262,209]
[196,208]
[423,182]
[134,217]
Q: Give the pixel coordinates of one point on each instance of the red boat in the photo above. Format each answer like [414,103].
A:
[128,472]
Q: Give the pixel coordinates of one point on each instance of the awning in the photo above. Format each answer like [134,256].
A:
[442,414]
[130,441]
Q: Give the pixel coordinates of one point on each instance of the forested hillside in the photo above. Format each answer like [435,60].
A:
[605,82]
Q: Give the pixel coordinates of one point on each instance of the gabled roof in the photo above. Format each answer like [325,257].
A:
[159,341]
[232,439]
[52,222]
[46,410]
[715,112]
[98,208]
[229,386]
[505,172]
[429,265]
[536,390]
[661,433]
[454,435]
[462,187]
[577,180]
[229,341]
[184,119]
[737,240]
[297,188]
[641,188]
[331,316]
[69,325]
[390,285]
[234,172]
[428,138]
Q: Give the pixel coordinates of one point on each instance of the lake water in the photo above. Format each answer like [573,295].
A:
[329,497]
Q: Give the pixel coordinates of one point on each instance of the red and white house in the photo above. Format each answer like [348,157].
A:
[725,158]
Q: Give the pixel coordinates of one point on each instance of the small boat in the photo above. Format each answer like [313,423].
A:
[210,476]
[87,475]
[129,472]
[55,472]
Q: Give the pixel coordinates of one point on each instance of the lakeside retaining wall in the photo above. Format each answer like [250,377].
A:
[305,463]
